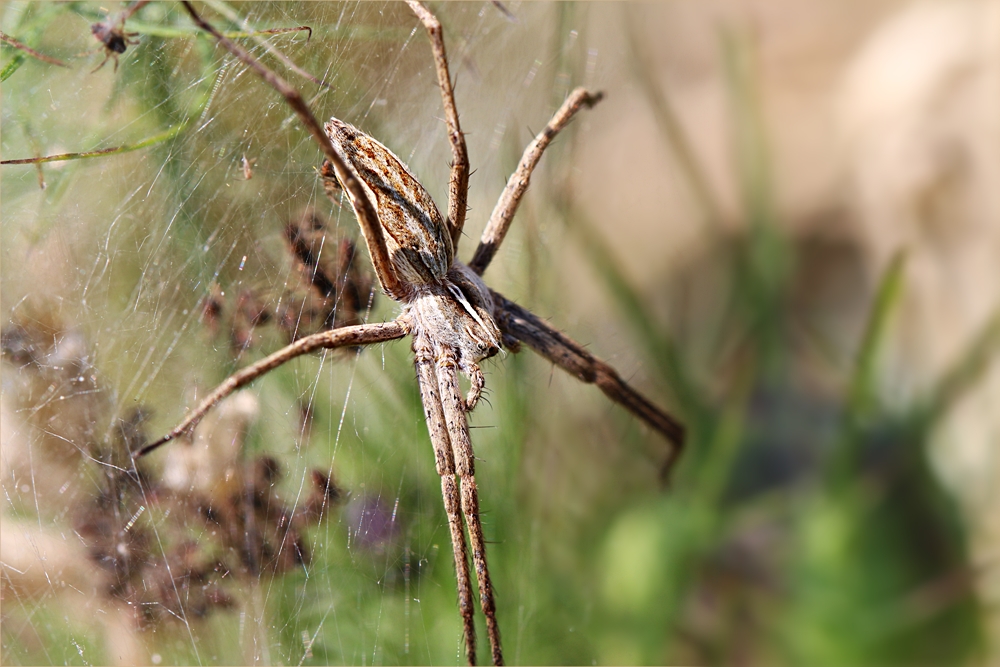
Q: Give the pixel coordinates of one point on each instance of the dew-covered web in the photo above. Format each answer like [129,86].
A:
[304,525]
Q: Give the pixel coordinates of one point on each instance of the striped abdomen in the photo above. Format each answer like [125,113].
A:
[417,239]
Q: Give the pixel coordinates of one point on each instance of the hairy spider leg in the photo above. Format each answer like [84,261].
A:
[444,462]
[461,444]
[517,184]
[458,184]
[361,334]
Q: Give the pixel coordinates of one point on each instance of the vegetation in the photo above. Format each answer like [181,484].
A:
[803,525]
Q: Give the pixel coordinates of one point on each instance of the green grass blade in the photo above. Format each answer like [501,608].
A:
[860,399]
[671,129]
[976,361]
[158,138]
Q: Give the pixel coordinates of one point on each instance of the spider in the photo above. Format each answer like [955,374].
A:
[111,34]
[455,320]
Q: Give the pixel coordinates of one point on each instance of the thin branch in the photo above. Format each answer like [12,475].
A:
[458,185]
[282,31]
[363,334]
[517,184]
[363,207]
[62,157]
[172,32]
[132,9]
[31,52]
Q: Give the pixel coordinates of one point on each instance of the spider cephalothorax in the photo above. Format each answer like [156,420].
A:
[457,313]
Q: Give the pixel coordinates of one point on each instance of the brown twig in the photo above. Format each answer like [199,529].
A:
[31,52]
[62,157]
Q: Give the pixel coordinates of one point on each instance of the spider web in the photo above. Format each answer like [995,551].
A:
[135,282]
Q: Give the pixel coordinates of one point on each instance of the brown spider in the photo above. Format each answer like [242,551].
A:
[455,320]
[111,33]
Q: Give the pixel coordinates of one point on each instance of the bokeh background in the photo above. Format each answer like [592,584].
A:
[782,224]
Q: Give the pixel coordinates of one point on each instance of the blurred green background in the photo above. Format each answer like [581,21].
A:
[805,523]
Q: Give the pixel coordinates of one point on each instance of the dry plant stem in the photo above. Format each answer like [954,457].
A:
[63,157]
[145,143]
[367,216]
[282,31]
[571,357]
[31,52]
[444,461]
[517,184]
[132,9]
[461,445]
[458,186]
[364,334]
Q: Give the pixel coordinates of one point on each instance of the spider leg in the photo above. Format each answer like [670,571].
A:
[458,431]
[517,184]
[107,55]
[444,461]
[362,334]
[477,381]
[571,357]
[363,206]
[458,186]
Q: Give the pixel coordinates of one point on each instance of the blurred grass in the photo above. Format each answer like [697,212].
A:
[799,528]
